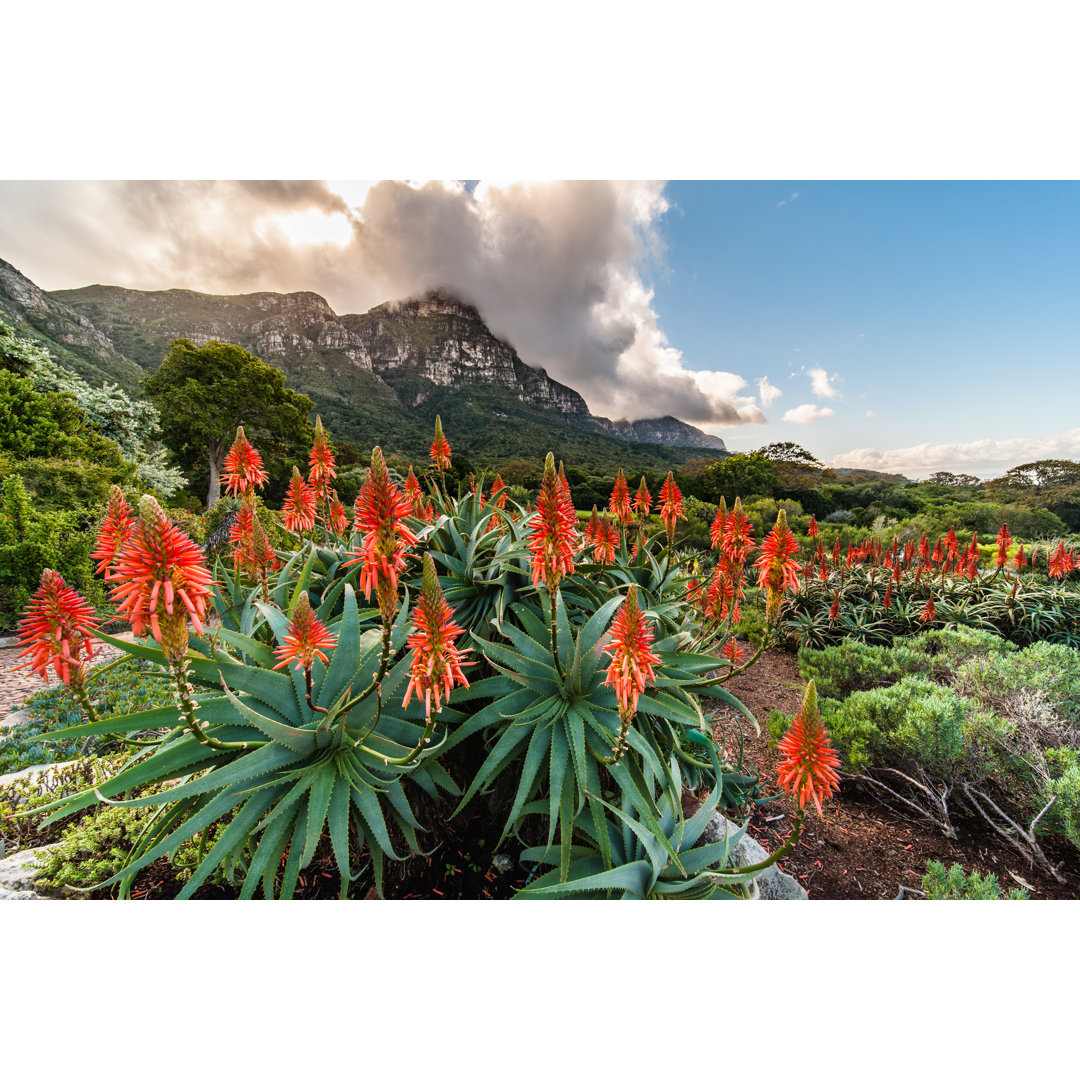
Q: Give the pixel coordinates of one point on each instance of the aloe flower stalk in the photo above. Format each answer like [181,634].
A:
[554,531]
[812,530]
[413,494]
[671,506]
[619,503]
[115,529]
[321,464]
[305,640]
[632,661]
[56,632]
[808,765]
[777,570]
[243,471]
[298,510]
[436,664]
[642,500]
[336,518]
[440,448]
[380,513]
[716,530]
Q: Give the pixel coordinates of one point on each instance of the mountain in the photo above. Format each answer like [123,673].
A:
[75,342]
[377,377]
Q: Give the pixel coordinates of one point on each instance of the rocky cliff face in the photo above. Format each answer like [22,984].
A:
[444,340]
[407,350]
[65,332]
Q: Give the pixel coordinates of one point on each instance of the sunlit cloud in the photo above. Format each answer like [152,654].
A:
[807,414]
[982,457]
[821,383]
[767,392]
[555,268]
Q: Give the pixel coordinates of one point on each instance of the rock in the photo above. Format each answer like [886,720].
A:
[33,770]
[18,871]
[13,719]
[773,882]
[501,864]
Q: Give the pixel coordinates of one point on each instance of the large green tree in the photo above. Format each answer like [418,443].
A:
[205,392]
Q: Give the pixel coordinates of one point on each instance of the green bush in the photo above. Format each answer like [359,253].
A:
[851,666]
[954,884]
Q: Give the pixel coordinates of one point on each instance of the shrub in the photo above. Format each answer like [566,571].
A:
[955,884]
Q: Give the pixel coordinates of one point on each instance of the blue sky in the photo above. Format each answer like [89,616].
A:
[951,310]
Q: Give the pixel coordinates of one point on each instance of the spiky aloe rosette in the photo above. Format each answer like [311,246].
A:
[314,723]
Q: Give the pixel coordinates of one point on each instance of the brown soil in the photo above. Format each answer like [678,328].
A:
[862,849]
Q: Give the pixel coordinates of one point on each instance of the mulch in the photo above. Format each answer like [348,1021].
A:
[862,849]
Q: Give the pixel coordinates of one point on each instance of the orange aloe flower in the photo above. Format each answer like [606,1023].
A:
[632,659]
[777,570]
[436,662]
[413,494]
[380,513]
[734,652]
[440,448]
[321,461]
[337,519]
[808,764]
[671,508]
[716,530]
[607,540]
[929,611]
[306,638]
[55,630]
[619,503]
[1020,559]
[243,467]
[834,609]
[812,531]
[554,530]
[589,532]
[115,529]
[498,492]
[738,542]
[298,511]
[158,566]
[886,603]
[1058,564]
[1004,537]
[643,500]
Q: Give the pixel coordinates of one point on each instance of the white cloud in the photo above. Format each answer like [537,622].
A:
[555,268]
[983,457]
[767,392]
[870,412]
[821,383]
[807,414]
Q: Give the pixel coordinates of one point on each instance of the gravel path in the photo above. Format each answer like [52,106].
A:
[16,686]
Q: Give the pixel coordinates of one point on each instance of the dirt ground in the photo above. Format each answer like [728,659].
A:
[863,849]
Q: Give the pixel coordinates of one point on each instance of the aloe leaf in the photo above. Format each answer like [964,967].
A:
[345,659]
[262,654]
[338,816]
[631,877]
[539,745]
[292,863]
[236,834]
[560,752]
[495,762]
[299,740]
[367,802]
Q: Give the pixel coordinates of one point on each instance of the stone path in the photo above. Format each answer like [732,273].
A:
[16,686]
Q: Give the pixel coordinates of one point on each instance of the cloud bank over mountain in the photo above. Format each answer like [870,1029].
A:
[553,267]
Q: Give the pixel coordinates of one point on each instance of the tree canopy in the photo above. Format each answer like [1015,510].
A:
[205,392]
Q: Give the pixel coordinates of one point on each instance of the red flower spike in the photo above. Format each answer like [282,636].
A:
[337,519]
[642,500]
[498,492]
[55,630]
[716,530]
[607,540]
[808,763]
[1058,564]
[632,659]
[307,637]
[777,570]
[413,494]
[834,609]
[738,534]
[436,662]
[619,503]
[887,602]
[812,530]
[589,532]
[321,463]
[1020,559]
[298,510]
[242,537]
[243,467]
[671,505]
[115,529]
[554,530]
[734,652]
[380,513]
[440,448]
[163,580]
[929,611]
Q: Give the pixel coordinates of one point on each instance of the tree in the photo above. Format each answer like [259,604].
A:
[204,393]
[954,480]
[741,474]
[796,469]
